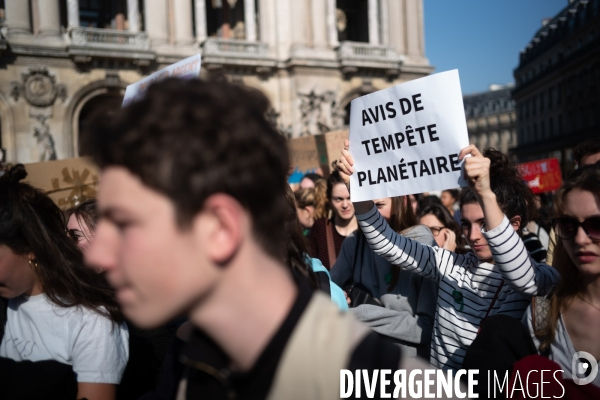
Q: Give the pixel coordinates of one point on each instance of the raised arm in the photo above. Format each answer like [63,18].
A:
[429,262]
[519,270]
[410,255]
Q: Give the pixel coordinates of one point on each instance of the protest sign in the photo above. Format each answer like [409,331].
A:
[314,153]
[68,182]
[406,139]
[542,175]
[187,69]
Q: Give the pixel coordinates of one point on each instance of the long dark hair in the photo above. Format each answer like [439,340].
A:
[30,222]
[87,212]
[442,214]
[572,282]
[401,217]
[296,251]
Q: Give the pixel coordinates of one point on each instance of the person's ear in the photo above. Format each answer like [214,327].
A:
[516,222]
[220,227]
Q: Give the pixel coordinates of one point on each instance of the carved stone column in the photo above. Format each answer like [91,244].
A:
[250,20]
[73,13]
[182,10]
[374,21]
[17,18]
[332,34]
[201,30]
[133,12]
[156,13]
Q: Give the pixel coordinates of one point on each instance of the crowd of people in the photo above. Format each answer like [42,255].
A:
[199,273]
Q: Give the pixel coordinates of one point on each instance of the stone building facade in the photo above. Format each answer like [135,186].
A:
[491,119]
[557,91]
[62,59]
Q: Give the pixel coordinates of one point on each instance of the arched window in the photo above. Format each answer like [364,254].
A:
[107,103]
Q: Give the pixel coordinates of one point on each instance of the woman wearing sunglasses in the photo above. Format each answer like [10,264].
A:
[572,320]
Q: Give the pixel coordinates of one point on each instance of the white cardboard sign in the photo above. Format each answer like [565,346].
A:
[406,139]
[187,69]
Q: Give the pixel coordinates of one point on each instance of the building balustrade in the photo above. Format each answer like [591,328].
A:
[354,55]
[109,43]
[218,51]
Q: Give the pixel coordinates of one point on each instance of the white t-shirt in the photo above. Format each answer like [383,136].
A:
[37,329]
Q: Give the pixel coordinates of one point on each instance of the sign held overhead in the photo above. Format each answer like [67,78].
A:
[186,69]
[406,139]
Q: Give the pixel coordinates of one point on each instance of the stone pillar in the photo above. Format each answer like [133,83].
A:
[374,21]
[250,20]
[385,22]
[182,10]
[420,16]
[156,14]
[413,27]
[319,24]
[397,36]
[49,18]
[332,34]
[73,13]
[201,30]
[133,12]
[17,18]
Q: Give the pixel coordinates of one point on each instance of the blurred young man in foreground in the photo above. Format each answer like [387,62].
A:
[192,204]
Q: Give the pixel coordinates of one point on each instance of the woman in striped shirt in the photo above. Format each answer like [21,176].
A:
[499,277]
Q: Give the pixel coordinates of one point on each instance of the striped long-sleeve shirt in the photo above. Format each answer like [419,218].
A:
[467,286]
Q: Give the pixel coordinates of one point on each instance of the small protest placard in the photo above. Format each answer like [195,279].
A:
[406,139]
[187,69]
[542,175]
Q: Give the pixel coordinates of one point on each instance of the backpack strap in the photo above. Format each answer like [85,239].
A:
[330,243]
[323,282]
[3,316]
[321,344]
[540,311]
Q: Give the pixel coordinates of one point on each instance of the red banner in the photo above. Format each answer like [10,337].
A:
[542,175]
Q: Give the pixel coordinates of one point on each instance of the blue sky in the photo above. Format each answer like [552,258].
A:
[482,38]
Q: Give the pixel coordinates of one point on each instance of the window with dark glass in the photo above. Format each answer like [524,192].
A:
[225,19]
[109,14]
[2,12]
[352,20]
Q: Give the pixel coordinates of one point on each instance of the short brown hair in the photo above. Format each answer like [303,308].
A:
[189,139]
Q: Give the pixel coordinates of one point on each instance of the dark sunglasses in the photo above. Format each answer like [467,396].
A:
[567,227]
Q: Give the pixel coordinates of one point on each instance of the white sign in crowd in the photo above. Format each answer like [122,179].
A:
[186,69]
[406,139]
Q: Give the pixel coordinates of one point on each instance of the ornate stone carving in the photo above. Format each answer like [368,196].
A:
[320,112]
[45,141]
[39,87]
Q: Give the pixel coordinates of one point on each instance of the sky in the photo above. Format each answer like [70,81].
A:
[482,38]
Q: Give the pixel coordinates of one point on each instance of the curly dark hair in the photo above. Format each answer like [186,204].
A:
[512,193]
[190,139]
[583,149]
[30,222]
